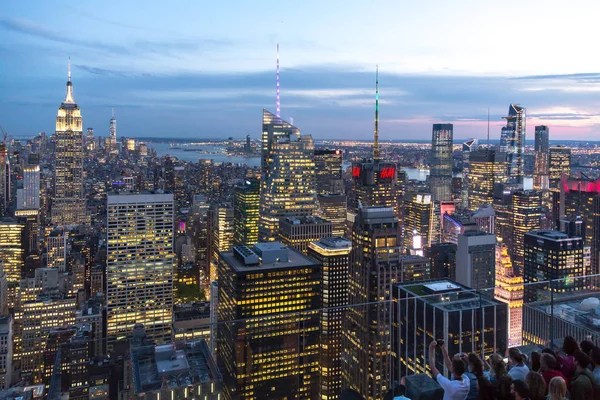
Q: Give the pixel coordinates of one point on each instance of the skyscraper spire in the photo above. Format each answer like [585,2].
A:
[69,96]
[278,111]
[376,133]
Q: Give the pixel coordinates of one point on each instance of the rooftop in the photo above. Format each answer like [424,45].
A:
[172,365]
[269,256]
[550,235]
[447,295]
[307,220]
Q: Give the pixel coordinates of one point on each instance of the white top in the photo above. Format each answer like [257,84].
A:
[457,389]
[518,372]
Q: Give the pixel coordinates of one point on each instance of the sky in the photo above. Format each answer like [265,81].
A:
[202,69]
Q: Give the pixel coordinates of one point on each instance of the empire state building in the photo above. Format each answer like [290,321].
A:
[68,203]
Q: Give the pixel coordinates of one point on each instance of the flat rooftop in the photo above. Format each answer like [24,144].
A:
[448,295]
[174,365]
[294,259]
[550,235]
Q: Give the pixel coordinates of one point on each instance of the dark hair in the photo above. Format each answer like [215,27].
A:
[570,345]
[535,361]
[582,359]
[485,389]
[458,367]
[475,361]
[587,346]
[521,388]
[595,355]
[553,354]
[537,385]
[515,354]
[549,360]
[504,387]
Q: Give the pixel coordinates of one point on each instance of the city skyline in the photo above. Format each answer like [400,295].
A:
[189,73]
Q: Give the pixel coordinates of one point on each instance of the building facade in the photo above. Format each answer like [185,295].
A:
[559,164]
[374,267]
[334,208]
[328,172]
[68,202]
[553,256]
[12,255]
[466,320]
[287,184]
[268,331]
[476,260]
[440,177]
[246,207]
[526,213]
[512,142]
[541,171]
[487,167]
[419,218]
[140,261]
[299,232]
[334,255]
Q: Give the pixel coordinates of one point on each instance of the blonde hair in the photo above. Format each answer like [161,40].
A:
[557,389]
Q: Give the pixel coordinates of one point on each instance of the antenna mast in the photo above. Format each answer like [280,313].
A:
[278,110]
[376,133]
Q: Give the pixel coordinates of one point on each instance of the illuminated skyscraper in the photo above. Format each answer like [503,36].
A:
[419,217]
[334,208]
[374,180]
[328,171]
[11,255]
[268,331]
[509,290]
[246,207]
[287,185]
[560,163]
[440,178]
[28,198]
[541,171]
[581,198]
[38,317]
[221,233]
[140,263]
[526,214]
[299,232]
[512,141]
[68,203]
[467,148]
[5,185]
[112,132]
[374,267]
[334,255]
[487,167]
[553,255]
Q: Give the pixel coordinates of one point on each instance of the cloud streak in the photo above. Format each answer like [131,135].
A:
[164,48]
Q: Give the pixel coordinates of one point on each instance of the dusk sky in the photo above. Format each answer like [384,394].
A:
[200,69]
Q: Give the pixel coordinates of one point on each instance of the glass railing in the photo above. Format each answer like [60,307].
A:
[316,353]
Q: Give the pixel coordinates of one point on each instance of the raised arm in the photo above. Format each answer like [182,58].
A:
[447,358]
[434,370]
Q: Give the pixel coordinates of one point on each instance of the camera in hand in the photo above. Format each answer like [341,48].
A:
[440,342]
